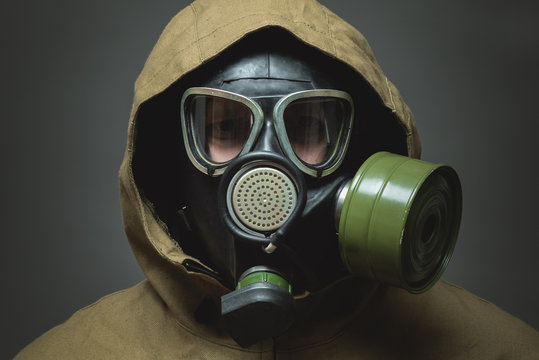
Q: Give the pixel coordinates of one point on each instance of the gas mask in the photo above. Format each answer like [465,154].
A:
[280,214]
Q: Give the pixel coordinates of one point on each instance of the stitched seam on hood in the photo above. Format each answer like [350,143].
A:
[196,32]
[309,25]
[330,33]
[390,95]
[248,30]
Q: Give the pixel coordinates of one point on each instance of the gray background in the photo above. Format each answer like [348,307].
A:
[468,70]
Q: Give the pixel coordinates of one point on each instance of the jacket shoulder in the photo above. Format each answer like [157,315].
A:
[456,324]
[131,324]
[101,329]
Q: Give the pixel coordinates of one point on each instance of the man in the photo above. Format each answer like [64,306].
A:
[287,94]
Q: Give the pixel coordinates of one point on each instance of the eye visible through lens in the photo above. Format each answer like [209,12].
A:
[221,126]
[313,126]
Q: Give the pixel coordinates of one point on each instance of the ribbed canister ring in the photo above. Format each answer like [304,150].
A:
[264,198]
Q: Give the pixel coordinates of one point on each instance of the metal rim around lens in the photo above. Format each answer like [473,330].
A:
[337,157]
[195,154]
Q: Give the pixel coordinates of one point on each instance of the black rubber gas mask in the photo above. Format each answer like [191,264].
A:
[276,206]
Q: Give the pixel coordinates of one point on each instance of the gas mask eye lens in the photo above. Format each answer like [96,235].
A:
[221,126]
[314,127]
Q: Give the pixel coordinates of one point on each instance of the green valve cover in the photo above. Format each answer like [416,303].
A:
[264,277]
[399,221]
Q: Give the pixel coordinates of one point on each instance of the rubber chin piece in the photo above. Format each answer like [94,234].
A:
[256,312]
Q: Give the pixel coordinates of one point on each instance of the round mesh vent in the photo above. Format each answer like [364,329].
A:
[263,198]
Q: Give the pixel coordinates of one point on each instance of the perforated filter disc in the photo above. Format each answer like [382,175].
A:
[263,198]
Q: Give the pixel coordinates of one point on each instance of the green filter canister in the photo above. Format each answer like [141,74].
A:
[399,221]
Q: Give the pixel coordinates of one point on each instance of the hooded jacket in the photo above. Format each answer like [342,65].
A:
[173,314]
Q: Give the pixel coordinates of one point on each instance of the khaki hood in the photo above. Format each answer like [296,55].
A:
[193,37]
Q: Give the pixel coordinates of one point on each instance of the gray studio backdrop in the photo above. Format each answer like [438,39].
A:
[468,70]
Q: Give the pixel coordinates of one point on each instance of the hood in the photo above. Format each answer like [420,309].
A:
[194,37]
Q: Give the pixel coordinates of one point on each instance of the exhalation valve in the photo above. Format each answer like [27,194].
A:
[261,199]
